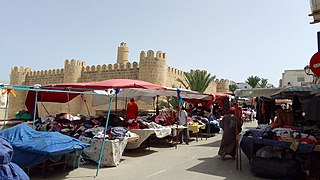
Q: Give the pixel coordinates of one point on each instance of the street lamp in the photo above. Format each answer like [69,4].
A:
[308,72]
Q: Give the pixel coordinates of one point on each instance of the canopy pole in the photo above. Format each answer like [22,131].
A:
[104,135]
[157,105]
[69,110]
[45,109]
[35,109]
[179,111]
[116,110]
[126,104]
[85,101]
[5,112]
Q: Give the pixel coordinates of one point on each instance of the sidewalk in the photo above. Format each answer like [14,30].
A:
[199,160]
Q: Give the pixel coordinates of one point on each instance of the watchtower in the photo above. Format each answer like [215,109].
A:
[72,71]
[153,68]
[123,53]
[17,77]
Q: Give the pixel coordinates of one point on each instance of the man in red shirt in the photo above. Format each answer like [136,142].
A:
[132,110]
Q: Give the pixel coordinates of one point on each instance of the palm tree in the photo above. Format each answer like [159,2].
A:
[263,83]
[170,101]
[233,87]
[253,81]
[197,80]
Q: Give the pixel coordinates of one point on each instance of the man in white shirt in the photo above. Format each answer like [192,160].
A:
[183,116]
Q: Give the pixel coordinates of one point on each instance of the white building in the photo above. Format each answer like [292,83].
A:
[295,78]
[243,86]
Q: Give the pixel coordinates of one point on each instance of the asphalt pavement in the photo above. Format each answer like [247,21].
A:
[198,160]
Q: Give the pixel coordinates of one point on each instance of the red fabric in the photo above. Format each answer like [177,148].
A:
[263,110]
[204,103]
[170,118]
[238,111]
[220,104]
[59,97]
[307,140]
[132,110]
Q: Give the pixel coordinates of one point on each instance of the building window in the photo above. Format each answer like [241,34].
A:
[300,79]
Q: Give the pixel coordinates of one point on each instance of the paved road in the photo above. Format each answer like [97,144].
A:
[199,160]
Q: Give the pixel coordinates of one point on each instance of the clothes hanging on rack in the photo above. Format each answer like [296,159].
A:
[265,110]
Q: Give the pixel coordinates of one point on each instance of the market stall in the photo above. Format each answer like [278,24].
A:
[85,125]
[162,120]
[289,146]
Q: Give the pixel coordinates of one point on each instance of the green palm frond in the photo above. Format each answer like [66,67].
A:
[253,81]
[197,80]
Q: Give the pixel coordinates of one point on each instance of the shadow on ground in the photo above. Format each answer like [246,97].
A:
[225,169]
[211,144]
[138,152]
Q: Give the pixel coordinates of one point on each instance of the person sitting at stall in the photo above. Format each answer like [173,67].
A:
[228,142]
[161,118]
[170,116]
[190,109]
[132,110]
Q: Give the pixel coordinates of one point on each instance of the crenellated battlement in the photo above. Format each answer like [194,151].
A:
[20,69]
[74,62]
[222,81]
[222,85]
[175,71]
[109,67]
[153,67]
[150,55]
[51,72]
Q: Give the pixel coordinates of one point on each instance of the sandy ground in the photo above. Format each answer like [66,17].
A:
[199,160]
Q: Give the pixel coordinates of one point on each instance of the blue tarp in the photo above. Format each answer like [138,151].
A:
[9,170]
[32,147]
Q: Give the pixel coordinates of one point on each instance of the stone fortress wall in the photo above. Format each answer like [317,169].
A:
[152,67]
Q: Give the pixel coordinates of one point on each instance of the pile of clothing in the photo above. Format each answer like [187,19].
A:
[287,134]
[82,125]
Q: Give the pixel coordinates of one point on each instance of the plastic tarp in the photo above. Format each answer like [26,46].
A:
[32,147]
[9,170]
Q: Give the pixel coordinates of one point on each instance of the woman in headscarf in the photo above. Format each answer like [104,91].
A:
[228,142]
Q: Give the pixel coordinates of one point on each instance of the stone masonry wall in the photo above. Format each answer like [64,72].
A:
[172,75]
[111,71]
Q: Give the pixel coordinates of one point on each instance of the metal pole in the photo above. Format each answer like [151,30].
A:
[179,112]
[116,110]
[5,112]
[35,109]
[157,105]
[318,37]
[104,137]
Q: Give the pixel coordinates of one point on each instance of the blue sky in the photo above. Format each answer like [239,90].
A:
[230,39]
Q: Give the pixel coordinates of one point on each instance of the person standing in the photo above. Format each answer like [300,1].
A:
[183,116]
[132,110]
[228,142]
